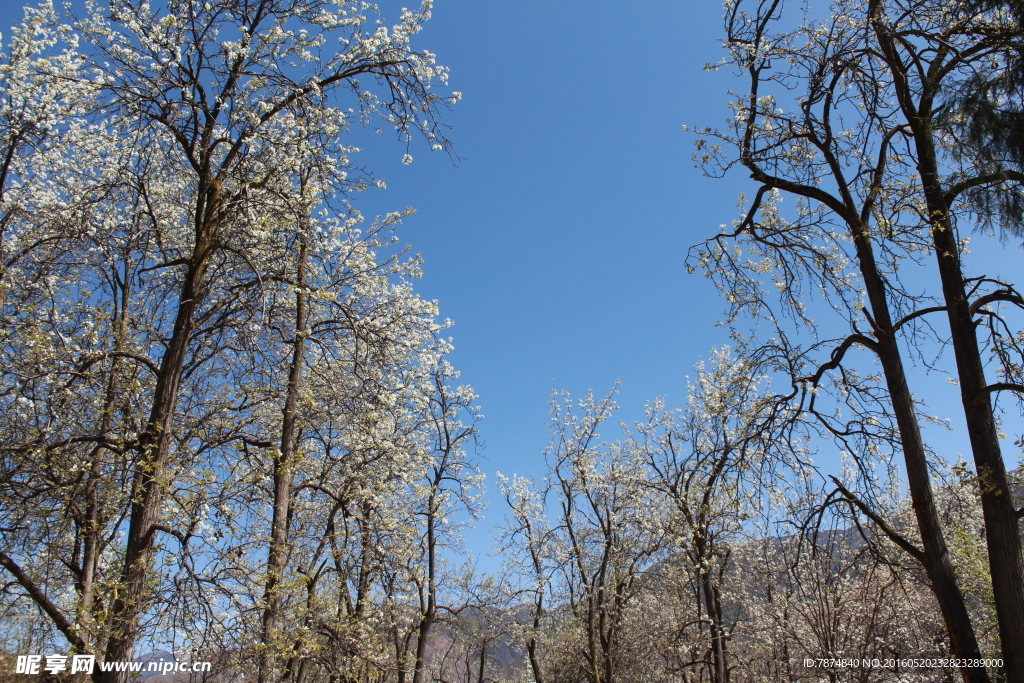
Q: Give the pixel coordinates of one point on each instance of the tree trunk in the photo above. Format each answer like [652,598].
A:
[430,608]
[277,556]
[1002,532]
[92,522]
[155,444]
[720,670]
[936,554]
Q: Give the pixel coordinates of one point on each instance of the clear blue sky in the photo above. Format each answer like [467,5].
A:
[557,244]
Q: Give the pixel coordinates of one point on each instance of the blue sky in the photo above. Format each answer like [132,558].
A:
[557,244]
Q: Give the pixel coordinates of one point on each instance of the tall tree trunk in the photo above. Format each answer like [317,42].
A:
[712,603]
[482,662]
[282,478]
[155,445]
[1002,531]
[531,645]
[937,562]
[92,524]
[538,612]
[430,606]
[936,558]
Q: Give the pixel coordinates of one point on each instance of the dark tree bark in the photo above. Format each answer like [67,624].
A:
[281,477]
[917,98]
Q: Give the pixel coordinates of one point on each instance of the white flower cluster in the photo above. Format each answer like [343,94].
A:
[216,376]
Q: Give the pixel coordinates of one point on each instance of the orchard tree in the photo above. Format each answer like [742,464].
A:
[822,594]
[447,487]
[224,91]
[174,174]
[69,365]
[527,545]
[705,462]
[587,558]
[840,115]
[371,411]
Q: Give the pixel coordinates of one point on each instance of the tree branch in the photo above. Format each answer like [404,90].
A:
[893,535]
[998,295]
[837,356]
[999,386]
[999,176]
[916,314]
[37,595]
